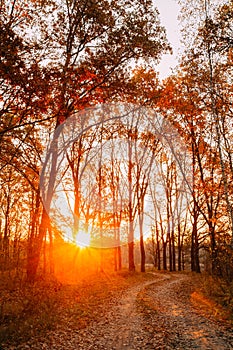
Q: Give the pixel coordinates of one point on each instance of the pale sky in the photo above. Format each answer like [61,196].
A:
[169,11]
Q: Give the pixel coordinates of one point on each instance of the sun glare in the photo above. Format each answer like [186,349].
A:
[83,239]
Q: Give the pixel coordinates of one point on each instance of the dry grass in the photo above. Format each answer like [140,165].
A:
[29,311]
[214,297]
[32,310]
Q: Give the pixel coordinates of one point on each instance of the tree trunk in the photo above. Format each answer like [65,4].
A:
[131,216]
[164,255]
[169,249]
[119,258]
[115,259]
[142,247]
[173,251]
[179,246]
[158,246]
[6,251]
[51,259]
[34,254]
[197,260]
[158,255]
[195,264]
[214,253]
[131,247]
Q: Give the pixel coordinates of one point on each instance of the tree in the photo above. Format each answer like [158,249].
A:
[201,106]
[76,54]
[117,188]
[146,149]
[97,41]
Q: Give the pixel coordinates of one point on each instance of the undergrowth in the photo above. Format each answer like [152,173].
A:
[28,311]
[221,293]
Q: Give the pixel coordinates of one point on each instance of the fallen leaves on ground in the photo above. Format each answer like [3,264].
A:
[128,311]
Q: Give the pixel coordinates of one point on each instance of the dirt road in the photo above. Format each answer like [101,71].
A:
[180,319]
[160,314]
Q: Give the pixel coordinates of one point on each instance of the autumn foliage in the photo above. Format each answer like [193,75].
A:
[59,59]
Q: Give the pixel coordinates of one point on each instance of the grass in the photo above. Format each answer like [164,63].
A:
[29,311]
[218,295]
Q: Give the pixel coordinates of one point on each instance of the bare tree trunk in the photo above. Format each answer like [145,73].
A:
[173,250]
[51,259]
[6,250]
[142,247]
[119,258]
[179,245]
[164,255]
[34,257]
[169,247]
[158,248]
[195,265]
[131,247]
[115,259]
[131,216]
[45,255]
[34,254]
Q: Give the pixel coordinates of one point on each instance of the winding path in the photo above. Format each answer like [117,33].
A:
[178,321]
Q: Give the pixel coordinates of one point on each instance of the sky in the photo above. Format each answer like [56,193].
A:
[169,11]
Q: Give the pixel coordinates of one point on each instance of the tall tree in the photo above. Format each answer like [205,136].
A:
[87,47]
[200,96]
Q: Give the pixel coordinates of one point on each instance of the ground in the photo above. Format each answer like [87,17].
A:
[165,311]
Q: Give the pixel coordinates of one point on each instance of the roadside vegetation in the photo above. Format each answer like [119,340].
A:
[31,311]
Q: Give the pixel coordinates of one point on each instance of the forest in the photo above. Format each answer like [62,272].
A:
[106,169]
[104,165]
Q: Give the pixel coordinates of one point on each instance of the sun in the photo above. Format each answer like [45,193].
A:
[83,239]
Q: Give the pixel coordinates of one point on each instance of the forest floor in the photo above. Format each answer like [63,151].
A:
[154,311]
